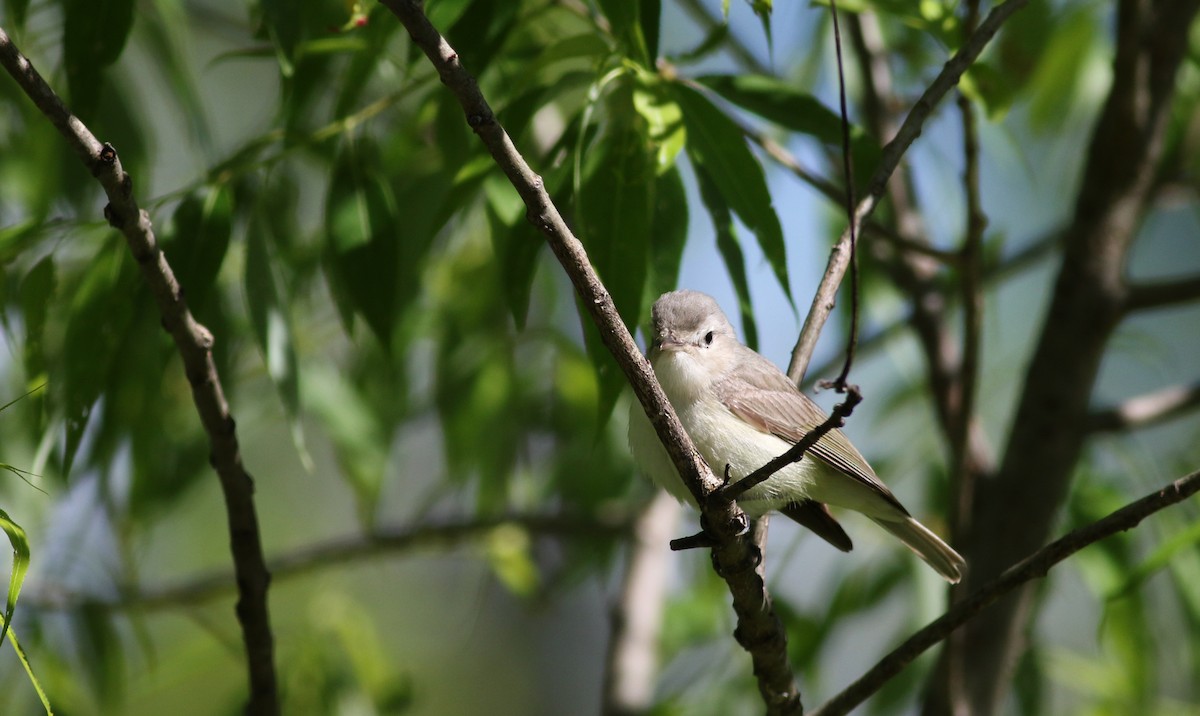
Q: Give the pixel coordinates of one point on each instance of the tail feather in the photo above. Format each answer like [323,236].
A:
[928,546]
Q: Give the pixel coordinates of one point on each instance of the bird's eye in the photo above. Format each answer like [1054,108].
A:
[708,338]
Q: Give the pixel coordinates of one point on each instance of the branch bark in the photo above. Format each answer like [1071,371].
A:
[759,629]
[1049,426]
[1035,566]
[1141,297]
[194,343]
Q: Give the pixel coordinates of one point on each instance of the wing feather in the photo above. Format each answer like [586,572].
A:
[764,397]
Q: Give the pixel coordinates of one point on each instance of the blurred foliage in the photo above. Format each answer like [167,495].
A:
[370,275]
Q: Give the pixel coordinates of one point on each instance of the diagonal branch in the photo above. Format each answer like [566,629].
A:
[839,258]
[194,343]
[1035,566]
[759,629]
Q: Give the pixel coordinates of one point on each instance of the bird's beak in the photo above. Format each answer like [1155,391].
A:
[668,342]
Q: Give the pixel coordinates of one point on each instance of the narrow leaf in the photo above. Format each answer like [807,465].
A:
[20,545]
[731,251]
[716,145]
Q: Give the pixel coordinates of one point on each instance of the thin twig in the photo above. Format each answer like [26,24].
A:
[343,551]
[1146,410]
[839,383]
[759,629]
[823,301]
[1032,567]
[194,343]
[1144,296]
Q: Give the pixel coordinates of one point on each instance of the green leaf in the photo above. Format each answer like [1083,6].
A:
[663,117]
[37,288]
[272,327]
[624,17]
[791,108]
[508,553]
[516,244]
[730,248]
[989,87]
[101,313]
[715,144]
[363,235]
[17,11]
[668,233]
[650,19]
[20,545]
[360,441]
[615,214]
[282,22]
[94,35]
[202,226]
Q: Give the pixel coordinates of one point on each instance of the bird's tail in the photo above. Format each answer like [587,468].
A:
[928,546]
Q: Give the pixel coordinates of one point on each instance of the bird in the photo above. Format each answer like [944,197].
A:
[741,411]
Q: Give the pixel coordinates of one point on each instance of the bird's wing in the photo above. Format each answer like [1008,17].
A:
[764,397]
[815,516]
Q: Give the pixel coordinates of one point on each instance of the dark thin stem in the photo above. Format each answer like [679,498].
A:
[839,384]
[1035,566]
[194,343]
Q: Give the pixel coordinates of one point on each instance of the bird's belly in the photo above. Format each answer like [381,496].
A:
[725,439]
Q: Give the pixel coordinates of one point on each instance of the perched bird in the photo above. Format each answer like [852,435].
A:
[741,411]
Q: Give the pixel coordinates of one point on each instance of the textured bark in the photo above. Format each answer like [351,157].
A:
[1014,511]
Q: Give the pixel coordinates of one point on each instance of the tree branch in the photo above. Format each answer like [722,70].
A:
[1049,426]
[631,664]
[1035,566]
[1146,410]
[839,258]
[444,534]
[759,630]
[1140,297]
[194,343]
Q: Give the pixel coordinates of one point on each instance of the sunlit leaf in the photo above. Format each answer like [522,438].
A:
[20,545]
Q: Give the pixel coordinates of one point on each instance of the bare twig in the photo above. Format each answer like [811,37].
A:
[1143,296]
[194,343]
[759,630]
[839,258]
[1035,566]
[439,534]
[839,383]
[1146,410]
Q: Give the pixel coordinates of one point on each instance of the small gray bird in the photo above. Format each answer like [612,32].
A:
[741,411]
